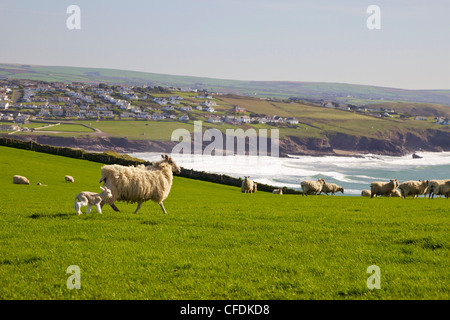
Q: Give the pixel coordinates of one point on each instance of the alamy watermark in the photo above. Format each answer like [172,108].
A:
[73,22]
[74,280]
[373,22]
[234,142]
[374,280]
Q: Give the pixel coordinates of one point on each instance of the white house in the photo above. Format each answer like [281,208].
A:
[106,114]
[244,119]
[214,120]
[4,105]
[127,115]
[209,109]
[157,116]
[184,117]
[185,108]
[142,115]
[291,121]
[93,114]
[208,103]
[160,101]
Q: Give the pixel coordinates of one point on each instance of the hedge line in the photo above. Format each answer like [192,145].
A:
[113,158]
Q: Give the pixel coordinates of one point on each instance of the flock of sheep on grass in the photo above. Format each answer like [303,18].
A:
[393,188]
[138,184]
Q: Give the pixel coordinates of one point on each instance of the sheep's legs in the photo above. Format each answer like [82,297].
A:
[162,207]
[138,207]
[112,206]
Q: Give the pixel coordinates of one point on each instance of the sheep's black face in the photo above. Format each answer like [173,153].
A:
[175,168]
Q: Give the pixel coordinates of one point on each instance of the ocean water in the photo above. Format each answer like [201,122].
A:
[352,173]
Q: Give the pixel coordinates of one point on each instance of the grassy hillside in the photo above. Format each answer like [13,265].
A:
[314,121]
[336,91]
[214,243]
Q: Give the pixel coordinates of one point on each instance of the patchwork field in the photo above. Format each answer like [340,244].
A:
[214,243]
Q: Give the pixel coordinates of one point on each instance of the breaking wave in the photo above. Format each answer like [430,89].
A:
[352,173]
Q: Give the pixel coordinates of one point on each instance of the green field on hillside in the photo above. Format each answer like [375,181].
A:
[214,243]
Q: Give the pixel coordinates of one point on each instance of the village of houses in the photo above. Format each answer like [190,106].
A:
[22,101]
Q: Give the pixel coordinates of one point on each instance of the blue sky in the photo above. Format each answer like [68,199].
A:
[285,40]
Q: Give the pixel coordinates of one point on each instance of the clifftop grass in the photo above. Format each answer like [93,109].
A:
[214,243]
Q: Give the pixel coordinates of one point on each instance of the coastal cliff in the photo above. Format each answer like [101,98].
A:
[396,144]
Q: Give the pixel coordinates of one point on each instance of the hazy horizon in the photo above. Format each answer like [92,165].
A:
[249,40]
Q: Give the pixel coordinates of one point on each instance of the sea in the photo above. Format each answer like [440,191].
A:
[353,173]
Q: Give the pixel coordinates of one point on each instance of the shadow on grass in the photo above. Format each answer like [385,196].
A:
[424,243]
[53,216]
[19,261]
[149,223]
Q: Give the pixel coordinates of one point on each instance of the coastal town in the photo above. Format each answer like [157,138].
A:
[22,101]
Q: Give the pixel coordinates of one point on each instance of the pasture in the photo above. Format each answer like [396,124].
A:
[214,243]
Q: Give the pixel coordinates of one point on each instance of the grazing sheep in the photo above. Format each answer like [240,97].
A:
[140,184]
[87,198]
[383,188]
[331,188]
[433,186]
[366,193]
[277,191]
[248,186]
[395,194]
[413,188]
[312,187]
[69,179]
[443,189]
[20,180]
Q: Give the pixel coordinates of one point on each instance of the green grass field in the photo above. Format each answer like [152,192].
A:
[214,243]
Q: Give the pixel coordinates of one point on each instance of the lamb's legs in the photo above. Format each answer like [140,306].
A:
[138,207]
[78,208]
[162,207]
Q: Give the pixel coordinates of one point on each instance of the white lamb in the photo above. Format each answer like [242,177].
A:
[139,184]
[69,179]
[87,198]
[312,187]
